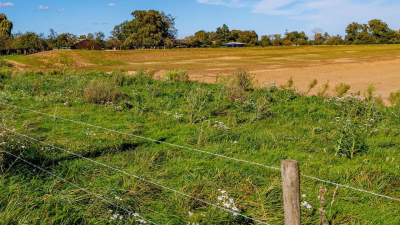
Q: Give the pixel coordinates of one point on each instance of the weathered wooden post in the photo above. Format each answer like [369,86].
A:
[291,191]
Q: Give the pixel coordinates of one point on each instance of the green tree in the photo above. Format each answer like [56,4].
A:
[335,40]
[90,37]
[381,31]
[266,40]
[6,25]
[248,37]
[147,29]
[30,42]
[226,34]
[65,40]
[353,31]
[52,39]
[203,37]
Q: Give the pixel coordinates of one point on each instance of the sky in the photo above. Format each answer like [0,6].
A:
[264,16]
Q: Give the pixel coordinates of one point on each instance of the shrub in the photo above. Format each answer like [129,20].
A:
[176,76]
[394,98]
[242,78]
[100,92]
[341,89]
[238,83]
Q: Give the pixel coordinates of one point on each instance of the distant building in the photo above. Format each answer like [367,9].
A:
[86,44]
[181,43]
[234,45]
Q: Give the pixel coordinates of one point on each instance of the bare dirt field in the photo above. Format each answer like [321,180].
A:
[358,66]
[383,73]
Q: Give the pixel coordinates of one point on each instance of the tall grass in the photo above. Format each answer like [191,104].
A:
[346,140]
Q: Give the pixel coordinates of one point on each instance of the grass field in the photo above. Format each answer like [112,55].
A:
[344,140]
[357,66]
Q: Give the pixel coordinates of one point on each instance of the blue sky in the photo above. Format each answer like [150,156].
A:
[263,16]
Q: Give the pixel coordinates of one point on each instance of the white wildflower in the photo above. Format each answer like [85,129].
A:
[305,204]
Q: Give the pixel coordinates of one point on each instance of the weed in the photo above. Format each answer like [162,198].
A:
[238,83]
[312,85]
[350,140]
[176,76]
[196,101]
[150,73]
[325,88]
[120,78]
[369,92]
[394,98]
[341,89]
[100,92]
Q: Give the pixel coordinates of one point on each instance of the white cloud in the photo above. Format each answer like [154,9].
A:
[43,7]
[230,3]
[60,10]
[112,4]
[6,4]
[332,14]
[100,23]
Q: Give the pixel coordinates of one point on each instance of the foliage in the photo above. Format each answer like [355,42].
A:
[6,26]
[270,125]
[341,89]
[176,76]
[196,101]
[100,92]
[148,29]
[394,98]
[350,140]
[376,31]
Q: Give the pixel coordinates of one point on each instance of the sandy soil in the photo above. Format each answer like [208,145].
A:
[383,72]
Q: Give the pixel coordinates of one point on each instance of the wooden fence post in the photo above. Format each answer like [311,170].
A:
[291,191]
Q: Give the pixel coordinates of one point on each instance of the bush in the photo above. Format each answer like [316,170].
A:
[100,92]
[176,76]
[242,78]
[238,83]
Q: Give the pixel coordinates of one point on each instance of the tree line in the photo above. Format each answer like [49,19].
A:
[155,29]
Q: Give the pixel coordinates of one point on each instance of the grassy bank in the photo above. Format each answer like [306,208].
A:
[344,140]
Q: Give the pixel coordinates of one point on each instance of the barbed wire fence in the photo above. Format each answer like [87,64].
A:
[132,175]
[201,151]
[80,188]
[150,181]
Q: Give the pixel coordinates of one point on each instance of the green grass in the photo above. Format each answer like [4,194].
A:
[266,126]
